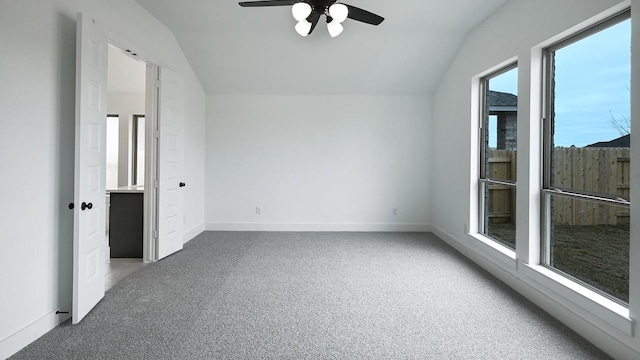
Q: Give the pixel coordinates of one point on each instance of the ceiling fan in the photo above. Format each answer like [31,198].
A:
[308,12]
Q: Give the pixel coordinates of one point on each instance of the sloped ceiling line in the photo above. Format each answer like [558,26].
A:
[235,50]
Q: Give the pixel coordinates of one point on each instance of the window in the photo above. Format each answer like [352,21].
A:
[113,133]
[498,149]
[586,146]
[138,149]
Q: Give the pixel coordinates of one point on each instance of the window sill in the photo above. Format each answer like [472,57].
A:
[576,298]
[494,251]
[581,300]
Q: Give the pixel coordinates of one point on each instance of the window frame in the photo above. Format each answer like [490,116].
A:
[548,190]
[549,110]
[483,181]
[135,127]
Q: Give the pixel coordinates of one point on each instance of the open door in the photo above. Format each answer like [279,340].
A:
[170,166]
[90,155]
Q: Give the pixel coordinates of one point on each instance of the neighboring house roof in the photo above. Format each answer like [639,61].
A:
[623,141]
[497,98]
[501,101]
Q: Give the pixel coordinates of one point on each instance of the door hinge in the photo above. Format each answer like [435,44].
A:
[156,83]
[155,234]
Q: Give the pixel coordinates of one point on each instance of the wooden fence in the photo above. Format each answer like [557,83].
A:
[502,199]
[597,170]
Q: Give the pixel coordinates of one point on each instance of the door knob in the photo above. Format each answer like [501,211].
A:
[70,206]
[182,184]
[84,205]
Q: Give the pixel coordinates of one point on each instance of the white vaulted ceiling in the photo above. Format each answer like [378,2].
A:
[236,50]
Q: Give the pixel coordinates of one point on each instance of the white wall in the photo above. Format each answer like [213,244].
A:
[317,162]
[514,32]
[37,101]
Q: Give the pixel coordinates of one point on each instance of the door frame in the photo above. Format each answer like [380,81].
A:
[152,133]
[150,223]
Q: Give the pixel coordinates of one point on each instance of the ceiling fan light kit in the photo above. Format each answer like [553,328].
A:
[308,12]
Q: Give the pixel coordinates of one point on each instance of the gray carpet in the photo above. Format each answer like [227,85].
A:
[235,295]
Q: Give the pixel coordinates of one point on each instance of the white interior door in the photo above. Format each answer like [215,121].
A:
[90,159]
[170,167]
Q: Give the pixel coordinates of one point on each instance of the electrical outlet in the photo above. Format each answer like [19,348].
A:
[257,210]
[394,211]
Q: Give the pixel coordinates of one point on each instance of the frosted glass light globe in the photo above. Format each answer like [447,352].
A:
[301,11]
[339,12]
[335,28]
[303,27]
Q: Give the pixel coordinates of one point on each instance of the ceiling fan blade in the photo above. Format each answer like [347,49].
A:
[313,19]
[267,3]
[364,16]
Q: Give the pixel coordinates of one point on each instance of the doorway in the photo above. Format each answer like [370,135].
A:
[162,196]
[125,165]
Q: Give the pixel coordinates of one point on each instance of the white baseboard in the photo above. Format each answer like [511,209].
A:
[556,307]
[318,227]
[189,235]
[18,340]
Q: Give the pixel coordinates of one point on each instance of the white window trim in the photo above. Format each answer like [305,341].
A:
[603,313]
[547,189]
[596,308]
[478,93]
[589,302]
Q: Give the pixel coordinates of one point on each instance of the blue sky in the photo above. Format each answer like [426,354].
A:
[592,84]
